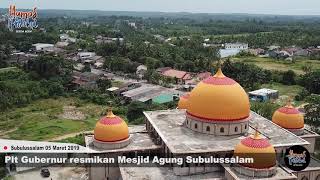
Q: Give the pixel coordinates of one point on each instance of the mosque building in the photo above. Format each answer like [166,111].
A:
[213,120]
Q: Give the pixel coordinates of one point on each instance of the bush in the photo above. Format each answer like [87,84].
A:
[288,78]
[265,109]
[302,95]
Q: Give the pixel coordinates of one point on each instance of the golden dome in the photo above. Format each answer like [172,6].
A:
[258,148]
[183,101]
[288,117]
[111,128]
[219,98]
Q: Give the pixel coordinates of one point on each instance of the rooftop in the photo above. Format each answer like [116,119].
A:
[176,74]
[163,173]
[179,139]
[140,140]
[263,92]
[281,174]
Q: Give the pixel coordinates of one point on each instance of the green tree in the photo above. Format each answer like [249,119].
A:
[265,109]
[104,84]
[87,68]
[311,81]
[135,110]
[288,78]
[50,66]
[312,111]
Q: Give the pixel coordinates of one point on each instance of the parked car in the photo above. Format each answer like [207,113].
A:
[45,172]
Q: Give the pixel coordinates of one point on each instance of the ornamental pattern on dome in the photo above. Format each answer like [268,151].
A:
[255,143]
[185,96]
[111,128]
[219,79]
[290,118]
[218,98]
[289,110]
[258,148]
[110,119]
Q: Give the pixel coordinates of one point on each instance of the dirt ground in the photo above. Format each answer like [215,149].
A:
[70,112]
[56,173]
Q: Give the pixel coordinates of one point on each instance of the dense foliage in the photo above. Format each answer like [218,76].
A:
[312,110]
[249,76]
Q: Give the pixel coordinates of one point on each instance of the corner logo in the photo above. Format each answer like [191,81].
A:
[22,19]
[297,158]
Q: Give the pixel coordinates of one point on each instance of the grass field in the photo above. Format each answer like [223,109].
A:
[285,91]
[41,120]
[281,65]
[8,69]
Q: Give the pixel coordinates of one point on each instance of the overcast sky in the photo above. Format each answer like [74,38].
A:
[287,7]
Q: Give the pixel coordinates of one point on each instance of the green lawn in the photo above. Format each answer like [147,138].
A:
[281,65]
[40,120]
[8,69]
[285,91]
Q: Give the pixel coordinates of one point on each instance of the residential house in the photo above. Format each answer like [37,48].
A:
[41,47]
[273,47]
[263,95]
[67,38]
[257,51]
[21,58]
[62,44]
[241,46]
[302,52]
[106,40]
[179,76]
[126,87]
[202,76]
[141,70]
[232,49]
[86,80]
[83,56]
[159,37]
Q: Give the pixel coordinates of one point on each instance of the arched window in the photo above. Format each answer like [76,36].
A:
[196,126]
[245,127]
[304,178]
[208,128]
[236,129]
[187,122]
[318,177]
[222,130]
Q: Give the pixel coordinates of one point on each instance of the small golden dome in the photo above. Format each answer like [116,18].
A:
[288,117]
[257,148]
[111,128]
[219,98]
[183,101]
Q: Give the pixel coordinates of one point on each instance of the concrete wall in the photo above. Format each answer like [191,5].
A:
[308,175]
[311,146]
[217,128]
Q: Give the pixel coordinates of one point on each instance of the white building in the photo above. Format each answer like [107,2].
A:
[86,55]
[232,49]
[43,47]
[241,46]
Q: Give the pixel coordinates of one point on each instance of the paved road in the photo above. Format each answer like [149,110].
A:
[56,173]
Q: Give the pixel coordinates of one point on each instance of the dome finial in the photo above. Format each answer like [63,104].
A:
[256,133]
[219,73]
[110,113]
[289,101]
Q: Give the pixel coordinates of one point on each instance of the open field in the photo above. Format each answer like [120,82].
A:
[280,65]
[285,92]
[42,120]
[8,69]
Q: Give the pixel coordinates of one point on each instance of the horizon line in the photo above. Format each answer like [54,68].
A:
[173,12]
